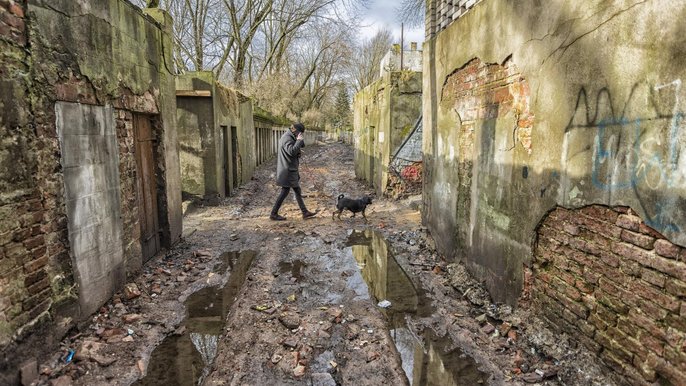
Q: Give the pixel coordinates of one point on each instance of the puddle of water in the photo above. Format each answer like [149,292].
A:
[294,268]
[184,359]
[425,363]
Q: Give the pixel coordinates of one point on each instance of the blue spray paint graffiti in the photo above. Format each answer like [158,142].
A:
[641,154]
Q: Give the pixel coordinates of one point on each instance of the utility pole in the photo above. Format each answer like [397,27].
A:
[402,44]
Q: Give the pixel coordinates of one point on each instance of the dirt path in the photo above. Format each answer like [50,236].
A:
[295,302]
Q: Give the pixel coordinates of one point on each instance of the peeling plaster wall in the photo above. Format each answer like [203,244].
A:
[384,114]
[201,136]
[602,82]
[105,56]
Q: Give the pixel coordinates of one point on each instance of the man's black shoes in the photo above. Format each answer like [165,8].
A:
[308,214]
[277,217]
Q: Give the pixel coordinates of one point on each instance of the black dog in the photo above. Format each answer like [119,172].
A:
[354,206]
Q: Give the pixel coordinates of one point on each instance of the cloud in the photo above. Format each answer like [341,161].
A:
[382,13]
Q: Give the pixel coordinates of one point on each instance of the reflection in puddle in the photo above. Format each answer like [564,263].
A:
[427,363]
[185,359]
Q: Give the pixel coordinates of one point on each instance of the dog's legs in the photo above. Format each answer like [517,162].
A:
[339,213]
[363,215]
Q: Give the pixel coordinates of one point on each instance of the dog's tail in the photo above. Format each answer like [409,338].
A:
[339,197]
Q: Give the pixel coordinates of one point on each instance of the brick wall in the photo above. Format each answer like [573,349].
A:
[26,234]
[128,185]
[619,287]
[481,91]
[39,299]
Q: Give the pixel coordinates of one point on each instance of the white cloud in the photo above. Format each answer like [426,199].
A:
[382,13]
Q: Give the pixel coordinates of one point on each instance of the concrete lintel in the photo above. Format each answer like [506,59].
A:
[194,93]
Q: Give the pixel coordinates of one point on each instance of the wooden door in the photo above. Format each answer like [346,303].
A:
[225,160]
[147,186]
[234,156]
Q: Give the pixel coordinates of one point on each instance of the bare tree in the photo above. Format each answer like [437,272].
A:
[412,12]
[367,66]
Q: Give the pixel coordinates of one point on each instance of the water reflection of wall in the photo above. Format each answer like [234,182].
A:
[185,359]
[440,363]
[385,278]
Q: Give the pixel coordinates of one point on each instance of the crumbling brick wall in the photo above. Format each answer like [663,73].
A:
[38,295]
[616,285]
[478,96]
[27,231]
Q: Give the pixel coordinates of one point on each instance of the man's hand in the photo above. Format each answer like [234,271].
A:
[300,137]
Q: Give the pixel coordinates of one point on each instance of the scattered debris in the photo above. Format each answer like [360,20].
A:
[131,291]
[384,304]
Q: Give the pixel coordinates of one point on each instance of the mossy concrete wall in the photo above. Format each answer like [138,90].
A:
[57,54]
[601,85]
[205,133]
[384,114]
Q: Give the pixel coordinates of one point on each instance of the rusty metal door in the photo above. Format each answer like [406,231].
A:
[147,186]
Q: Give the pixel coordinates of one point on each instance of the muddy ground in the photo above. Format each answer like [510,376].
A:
[243,300]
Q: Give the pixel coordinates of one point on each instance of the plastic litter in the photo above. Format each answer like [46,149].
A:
[384,304]
[70,356]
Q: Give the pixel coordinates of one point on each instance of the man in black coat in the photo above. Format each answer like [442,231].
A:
[287,164]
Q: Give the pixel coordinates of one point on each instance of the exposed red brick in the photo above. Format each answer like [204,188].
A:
[34,242]
[630,343]
[591,276]
[34,277]
[652,344]
[600,212]
[638,239]
[675,339]
[16,10]
[676,287]
[666,370]
[612,302]
[40,308]
[621,209]
[584,286]
[35,265]
[645,322]
[12,20]
[667,249]
[599,226]
[571,229]
[589,343]
[609,259]
[14,250]
[653,277]
[651,308]
[649,292]
[643,228]
[21,235]
[33,300]
[629,222]
[619,354]
[38,286]
[646,372]
[39,252]
[675,321]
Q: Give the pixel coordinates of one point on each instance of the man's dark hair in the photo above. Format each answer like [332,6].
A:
[299,127]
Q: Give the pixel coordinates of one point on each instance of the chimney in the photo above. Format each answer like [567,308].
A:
[413,46]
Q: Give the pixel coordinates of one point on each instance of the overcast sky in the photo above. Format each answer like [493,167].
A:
[382,13]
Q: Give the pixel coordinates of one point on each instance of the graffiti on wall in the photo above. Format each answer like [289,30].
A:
[636,150]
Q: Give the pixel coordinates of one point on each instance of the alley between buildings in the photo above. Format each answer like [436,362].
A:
[245,300]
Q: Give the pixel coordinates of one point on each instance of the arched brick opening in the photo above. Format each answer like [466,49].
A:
[604,277]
